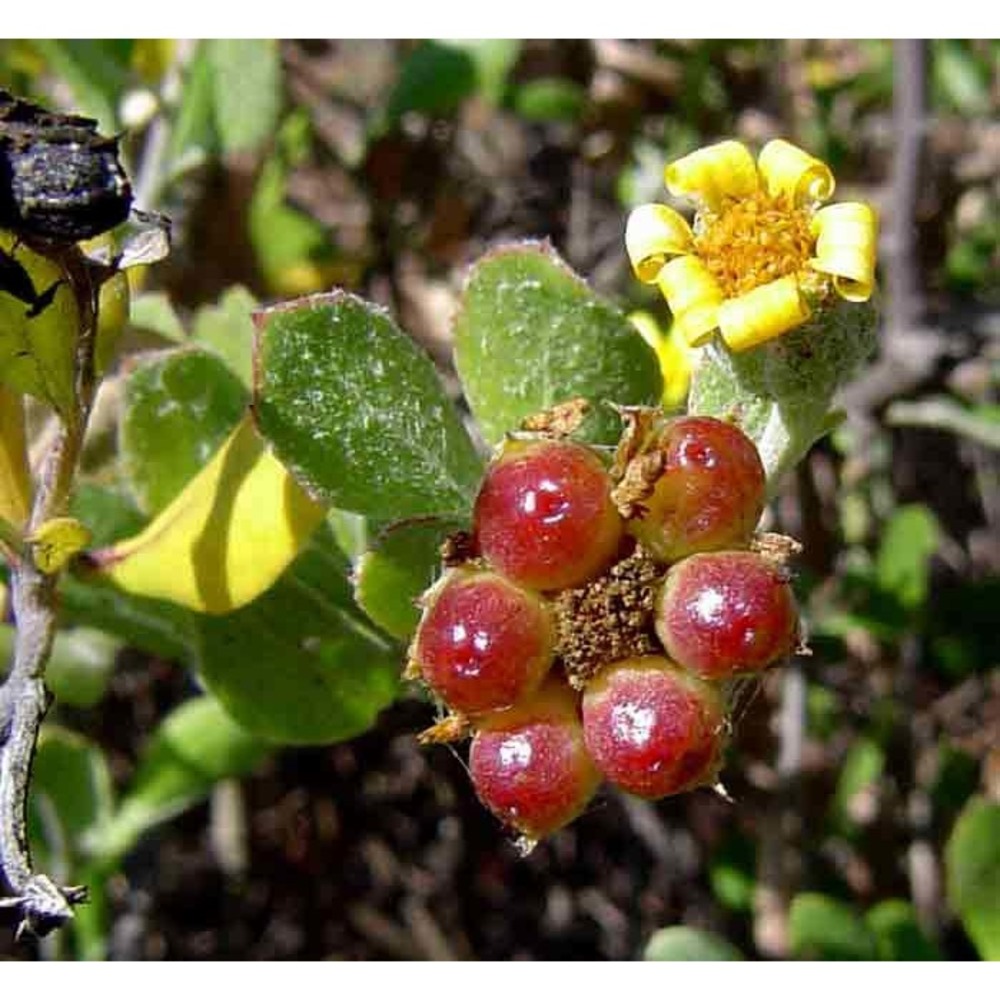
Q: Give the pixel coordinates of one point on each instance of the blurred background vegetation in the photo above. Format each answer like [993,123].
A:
[865,779]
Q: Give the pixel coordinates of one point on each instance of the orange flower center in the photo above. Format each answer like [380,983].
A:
[754,240]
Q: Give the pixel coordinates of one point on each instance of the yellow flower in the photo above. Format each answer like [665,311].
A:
[677,360]
[762,254]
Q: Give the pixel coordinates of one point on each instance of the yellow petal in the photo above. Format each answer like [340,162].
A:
[790,171]
[846,243]
[654,234]
[694,297]
[762,314]
[676,358]
[725,170]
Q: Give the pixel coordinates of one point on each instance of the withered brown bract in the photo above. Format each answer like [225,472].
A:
[60,180]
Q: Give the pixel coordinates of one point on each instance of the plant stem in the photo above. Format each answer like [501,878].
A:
[43,906]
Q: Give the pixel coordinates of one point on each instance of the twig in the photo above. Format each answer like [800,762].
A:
[638,63]
[944,414]
[905,314]
[778,860]
[909,107]
[43,905]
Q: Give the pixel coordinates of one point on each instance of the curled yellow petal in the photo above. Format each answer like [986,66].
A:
[792,172]
[846,243]
[653,235]
[55,542]
[694,297]
[225,538]
[762,314]
[675,357]
[709,175]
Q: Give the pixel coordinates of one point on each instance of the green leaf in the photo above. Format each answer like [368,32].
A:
[781,393]
[972,865]
[826,929]
[227,327]
[530,333]
[292,249]
[179,407]
[300,665]
[97,71]
[494,58]
[689,944]
[155,312]
[401,564]
[196,745]
[960,79]
[898,935]
[246,90]
[80,666]
[38,353]
[356,411]
[862,768]
[350,531]
[71,798]
[550,99]
[434,79]
[910,538]
[731,873]
[193,137]
[71,795]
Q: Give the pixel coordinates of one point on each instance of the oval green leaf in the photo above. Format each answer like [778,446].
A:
[689,944]
[195,746]
[972,863]
[71,793]
[530,333]
[825,929]
[356,411]
[898,935]
[300,665]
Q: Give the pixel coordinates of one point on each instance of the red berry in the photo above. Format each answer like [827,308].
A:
[544,515]
[529,765]
[726,613]
[483,642]
[652,728]
[709,494]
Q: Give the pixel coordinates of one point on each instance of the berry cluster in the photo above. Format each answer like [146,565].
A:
[585,629]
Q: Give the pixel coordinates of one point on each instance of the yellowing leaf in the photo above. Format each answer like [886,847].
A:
[15,484]
[225,538]
[38,326]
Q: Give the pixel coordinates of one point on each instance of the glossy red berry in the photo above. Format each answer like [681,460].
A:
[652,728]
[529,765]
[726,613]
[544,515]
[483,642]
[709,494]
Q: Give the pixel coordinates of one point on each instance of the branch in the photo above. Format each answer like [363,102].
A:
[909,109]
[43,905]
